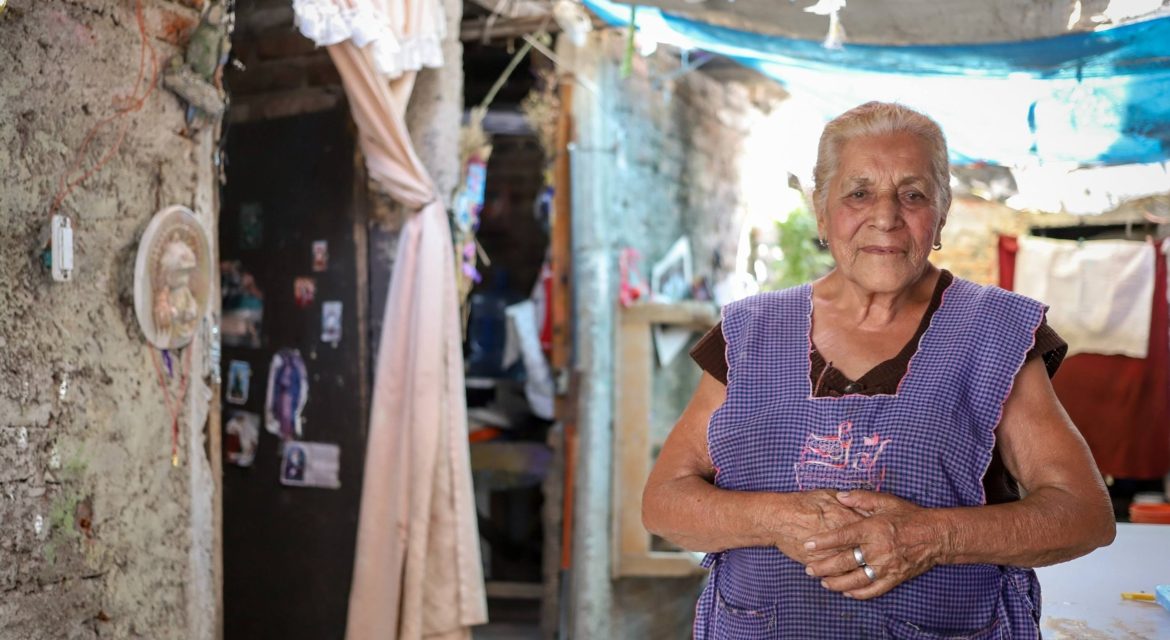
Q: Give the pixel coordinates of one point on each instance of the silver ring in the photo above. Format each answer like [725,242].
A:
[859,556]
[869,572]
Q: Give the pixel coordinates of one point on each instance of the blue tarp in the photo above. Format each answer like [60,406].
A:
[1092,98]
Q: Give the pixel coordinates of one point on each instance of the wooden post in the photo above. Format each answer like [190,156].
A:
[562,331]
[562,246]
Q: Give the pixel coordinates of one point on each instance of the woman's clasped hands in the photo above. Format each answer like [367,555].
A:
[861,543]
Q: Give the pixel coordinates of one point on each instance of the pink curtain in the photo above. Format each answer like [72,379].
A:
[417,571]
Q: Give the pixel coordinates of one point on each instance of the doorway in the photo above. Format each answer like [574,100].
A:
[292,241]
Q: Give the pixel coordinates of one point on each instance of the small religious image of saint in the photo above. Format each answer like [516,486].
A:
[242,435]
[320,256]
[294,463]
[243,306]
[304,292]
[239,379]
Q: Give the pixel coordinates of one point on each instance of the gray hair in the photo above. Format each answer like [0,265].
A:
[877,119]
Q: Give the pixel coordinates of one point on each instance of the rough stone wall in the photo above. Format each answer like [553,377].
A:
[99,534]
[657,157]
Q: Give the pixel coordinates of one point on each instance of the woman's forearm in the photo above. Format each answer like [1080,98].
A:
[692,513]
[696,515]
[1050,525]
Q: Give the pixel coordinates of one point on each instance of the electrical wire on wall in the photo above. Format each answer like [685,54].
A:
[124,105]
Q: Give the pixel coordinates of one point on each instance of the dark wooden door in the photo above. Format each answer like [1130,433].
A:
[288,552]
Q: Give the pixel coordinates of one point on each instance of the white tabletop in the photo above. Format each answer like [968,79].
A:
[1082,598]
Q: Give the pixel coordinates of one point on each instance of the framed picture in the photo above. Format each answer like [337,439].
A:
[670,281]
[671,277]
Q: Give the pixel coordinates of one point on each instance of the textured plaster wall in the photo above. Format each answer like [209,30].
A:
[657,157]
[99,534]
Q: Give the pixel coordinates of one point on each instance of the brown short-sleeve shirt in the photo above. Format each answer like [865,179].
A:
[710,354]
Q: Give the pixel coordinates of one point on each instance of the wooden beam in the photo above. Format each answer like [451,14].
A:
[632,456]
[688,313]
[514,590]
[633,384]
[485,30]
[562,239]
[660,563]
[561,259]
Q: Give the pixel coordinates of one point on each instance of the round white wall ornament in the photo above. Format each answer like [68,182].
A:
[172,277]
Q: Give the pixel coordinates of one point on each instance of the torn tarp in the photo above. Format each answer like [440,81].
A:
[1093,98]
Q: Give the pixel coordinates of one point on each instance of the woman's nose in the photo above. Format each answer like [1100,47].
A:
[886,213]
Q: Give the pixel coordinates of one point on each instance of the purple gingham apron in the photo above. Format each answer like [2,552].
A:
[929,443]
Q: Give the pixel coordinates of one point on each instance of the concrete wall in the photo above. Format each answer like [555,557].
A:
[99,534]
[657,156]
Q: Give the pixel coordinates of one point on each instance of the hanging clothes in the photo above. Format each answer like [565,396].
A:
[1120,404]
[417,570]
[1100,294]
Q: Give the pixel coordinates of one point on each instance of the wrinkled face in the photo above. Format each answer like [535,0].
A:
[880,217]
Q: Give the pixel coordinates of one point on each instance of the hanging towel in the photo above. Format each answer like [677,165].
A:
[1119,404]
[1100,293]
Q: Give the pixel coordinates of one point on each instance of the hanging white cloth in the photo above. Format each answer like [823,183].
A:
[1100,293]
[401,36]
[417,571]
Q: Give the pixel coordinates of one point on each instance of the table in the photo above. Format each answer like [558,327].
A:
[1082,598]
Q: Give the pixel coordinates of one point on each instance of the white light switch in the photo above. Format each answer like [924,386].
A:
[62,248]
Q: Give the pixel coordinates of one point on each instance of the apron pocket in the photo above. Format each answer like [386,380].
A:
[747,624]
[902,630]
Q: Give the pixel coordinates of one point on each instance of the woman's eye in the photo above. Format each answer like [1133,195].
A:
[914,196]
[857,195]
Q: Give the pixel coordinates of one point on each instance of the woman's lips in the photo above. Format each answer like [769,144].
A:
[878,250]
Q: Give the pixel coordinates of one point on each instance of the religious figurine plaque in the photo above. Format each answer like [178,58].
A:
[172,277]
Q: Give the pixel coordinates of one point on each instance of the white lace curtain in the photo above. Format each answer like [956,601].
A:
[400,36]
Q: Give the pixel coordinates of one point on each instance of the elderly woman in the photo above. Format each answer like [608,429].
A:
[848,464]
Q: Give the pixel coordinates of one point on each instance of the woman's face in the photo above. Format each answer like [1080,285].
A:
[880,218]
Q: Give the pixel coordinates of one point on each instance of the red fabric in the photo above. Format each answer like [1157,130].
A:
[1121,405]
[546,324]
[1008,246]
